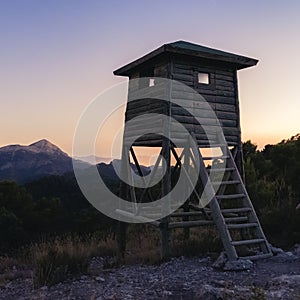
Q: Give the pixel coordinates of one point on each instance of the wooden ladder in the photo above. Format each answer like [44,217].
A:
[231,208]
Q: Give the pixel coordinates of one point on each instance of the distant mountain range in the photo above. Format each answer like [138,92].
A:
[28,163]
[92,159]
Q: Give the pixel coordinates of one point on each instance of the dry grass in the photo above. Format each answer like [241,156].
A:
[56,260]
[12,268]
[64,257]
[202,240]
[258,294]
[143,243]
[8,264]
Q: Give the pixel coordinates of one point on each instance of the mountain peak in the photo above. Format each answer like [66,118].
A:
[43,143]
[44,146]
[24,163]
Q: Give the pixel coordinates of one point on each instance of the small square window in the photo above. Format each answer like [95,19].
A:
[203,78]
[151,82]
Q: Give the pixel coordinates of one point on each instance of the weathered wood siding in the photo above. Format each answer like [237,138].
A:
[196,113]
[144,99]
[220,93]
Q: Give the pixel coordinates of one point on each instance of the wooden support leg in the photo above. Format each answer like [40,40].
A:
[186,230]
[165,189]
[239,161]
[121,239]
[186,165]
[165,240]
[121,227]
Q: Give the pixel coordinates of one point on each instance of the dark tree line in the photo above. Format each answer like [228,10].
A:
[273,183]
[55,205]
[43,209]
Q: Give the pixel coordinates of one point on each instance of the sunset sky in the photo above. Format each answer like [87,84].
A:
[57,55]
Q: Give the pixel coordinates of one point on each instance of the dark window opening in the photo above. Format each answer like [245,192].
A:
[145,78]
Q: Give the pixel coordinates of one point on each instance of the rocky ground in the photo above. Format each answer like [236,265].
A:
[179,278]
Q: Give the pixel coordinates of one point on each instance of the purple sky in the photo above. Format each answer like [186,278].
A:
[57,55]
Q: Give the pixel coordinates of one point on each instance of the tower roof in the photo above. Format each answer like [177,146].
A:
[191,50]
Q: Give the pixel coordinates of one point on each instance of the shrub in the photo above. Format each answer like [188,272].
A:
[65,257]
[201,241]
[258,294]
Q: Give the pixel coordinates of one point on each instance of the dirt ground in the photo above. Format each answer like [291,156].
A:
[180,278]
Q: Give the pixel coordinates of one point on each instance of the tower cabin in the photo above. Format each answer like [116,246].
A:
[211,73]
[199,89]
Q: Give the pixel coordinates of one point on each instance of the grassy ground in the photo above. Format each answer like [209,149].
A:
[55,260]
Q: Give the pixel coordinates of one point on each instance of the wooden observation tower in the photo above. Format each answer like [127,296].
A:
[199,90]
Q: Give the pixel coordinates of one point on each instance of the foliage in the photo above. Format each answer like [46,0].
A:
[201,241]
[54,261]
[272,179]
[10,228]
[54,206]
[258,294]
[43,209]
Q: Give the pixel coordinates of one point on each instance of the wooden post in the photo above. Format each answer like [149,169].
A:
[186,165]
[165,237]
[121,239]
[166,188]
[121,227]
[240,161]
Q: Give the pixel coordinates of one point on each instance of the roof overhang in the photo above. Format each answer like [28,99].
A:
[190,50]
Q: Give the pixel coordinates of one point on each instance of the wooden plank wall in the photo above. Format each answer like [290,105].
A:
[220,95]
[142,100]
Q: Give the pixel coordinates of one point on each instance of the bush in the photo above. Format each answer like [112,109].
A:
[55,263]
[58,260]
[201,241]
[258,294]
[11,232]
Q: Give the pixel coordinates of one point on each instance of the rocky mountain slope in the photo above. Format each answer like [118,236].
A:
[27,163]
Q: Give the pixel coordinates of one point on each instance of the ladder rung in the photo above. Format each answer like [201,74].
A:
[137,217]
[198,208]
[157,209]
[258,256]
[226,182]
[247,242]
[221,170]
[236,210]
[233,196]
[190,224]
[246,225]
[236,219]
[212,146]
[187,213]
[215,157]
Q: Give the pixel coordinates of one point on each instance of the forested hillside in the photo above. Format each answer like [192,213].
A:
[54,205]
[273,182]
